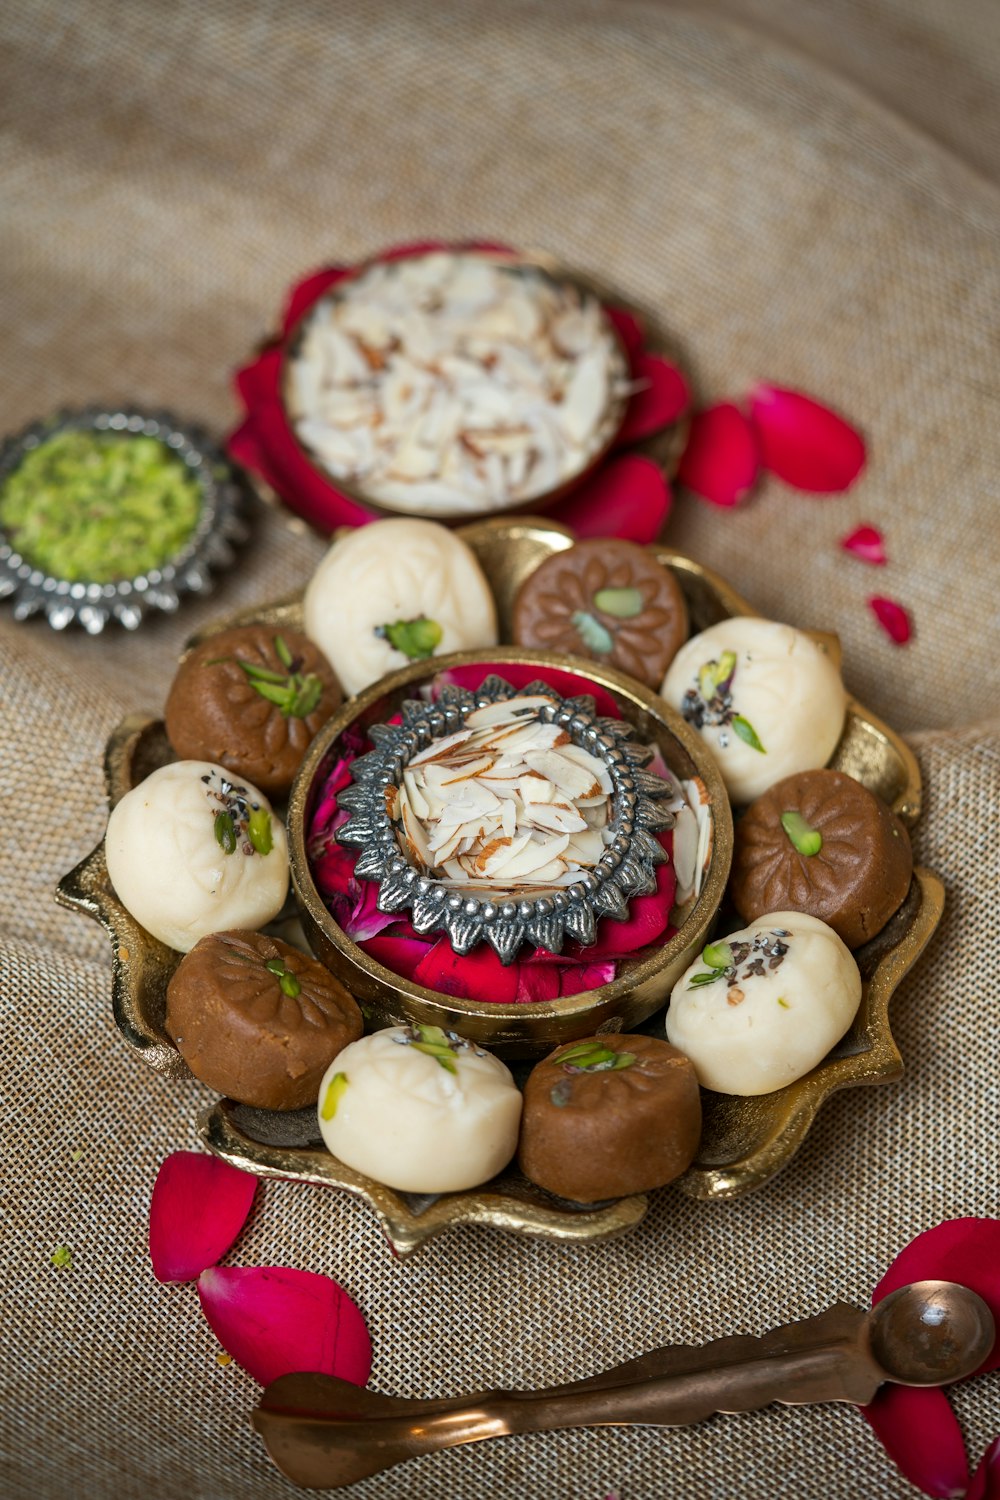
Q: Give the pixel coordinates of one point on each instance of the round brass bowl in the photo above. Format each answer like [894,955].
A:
[642,984]
[664,447]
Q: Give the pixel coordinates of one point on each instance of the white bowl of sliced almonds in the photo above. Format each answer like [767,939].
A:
[455,383]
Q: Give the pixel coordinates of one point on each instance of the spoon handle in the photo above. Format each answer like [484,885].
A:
[323,1434]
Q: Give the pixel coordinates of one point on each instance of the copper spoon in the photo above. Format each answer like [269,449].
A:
[325,1433]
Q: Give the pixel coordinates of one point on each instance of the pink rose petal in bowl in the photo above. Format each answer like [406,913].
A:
[274,1321]
[198,1207]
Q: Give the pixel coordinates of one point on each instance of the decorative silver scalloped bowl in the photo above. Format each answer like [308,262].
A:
[625,869]
[127,600]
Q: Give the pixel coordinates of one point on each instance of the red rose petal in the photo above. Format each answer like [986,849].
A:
[535,983]
[918,1430]
[580,977]
[402,955]
[627,497]
[664,396]
[198,1207]
[893,619]
[478,975]
[804,443]
[867,543]
[276,1321]
[309,290]
[629,330]
[986,1480]
[720,461]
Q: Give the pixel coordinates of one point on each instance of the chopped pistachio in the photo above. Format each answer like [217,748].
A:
[592,1057]
[624,604]
[804,839]
[225,832]
[709,978]
[296,695]
[287,981]
[592,633]
[435,1043]
[415,638]
[76,1156]
[259,830]
[717,955]
[334,1092]
[747,733]
[62,1257]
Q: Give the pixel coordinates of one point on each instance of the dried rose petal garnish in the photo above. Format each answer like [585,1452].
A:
[866,543]
[804,443]
[276,1321]
[720,462]
[893,618]
[198,1207]
[918,1427]
[986,1480]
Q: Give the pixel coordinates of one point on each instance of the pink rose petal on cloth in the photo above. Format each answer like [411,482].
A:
[277,1321]
[986,1480]
[803,443]
[627,496]
[663,397]
[893,618]
[198,1207]
[720,462]
[866,543]
[918,1430]
[918,1427]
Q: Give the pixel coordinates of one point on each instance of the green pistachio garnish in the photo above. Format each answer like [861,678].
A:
[259,830]
[717,955]
[98,506]
[415,638]
[783,1003]
[296,695]
[76,1156]
[592,1057]
[624,604]
[434,1042]
[747,733]
[716,674]
[225,832]
[592,633]
[62,1256]
[804,839]
[331,1098]
[286,979]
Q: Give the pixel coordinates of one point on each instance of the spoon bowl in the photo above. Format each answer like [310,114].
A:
[931,1333]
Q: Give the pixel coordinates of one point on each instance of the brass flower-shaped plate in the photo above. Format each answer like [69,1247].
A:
[745,1141]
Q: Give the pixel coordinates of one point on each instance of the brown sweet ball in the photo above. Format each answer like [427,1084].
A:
[607,599]
[609,1116]
[821,843]
[251,699]
[257,1020]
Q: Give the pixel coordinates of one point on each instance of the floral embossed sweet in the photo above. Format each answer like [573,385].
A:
[191,851]
[767,700]
[251,700]
[762,1006]
[394,592]
[820,842]
[606,599]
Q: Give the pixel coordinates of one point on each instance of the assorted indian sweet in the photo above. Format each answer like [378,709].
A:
[606,599]
[765,697]
[761,1007]
[251,700]
[820,842]
[453,383]
[420,1109]
[609,1116]
[394,592]
[191,851]
[257,1020]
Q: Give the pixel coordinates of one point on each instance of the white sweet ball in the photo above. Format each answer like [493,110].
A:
[789,995]
[390,574]
[422,1121]
[181,856]
[766,699]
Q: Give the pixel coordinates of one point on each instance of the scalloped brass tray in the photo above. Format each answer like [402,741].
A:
[745,1141]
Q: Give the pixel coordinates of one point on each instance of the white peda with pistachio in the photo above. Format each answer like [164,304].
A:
[394,592]
[763,1006]
[765,697]
[454,383]
[420,1109]
[192,850]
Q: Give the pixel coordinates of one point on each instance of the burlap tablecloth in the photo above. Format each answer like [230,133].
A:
[166,172]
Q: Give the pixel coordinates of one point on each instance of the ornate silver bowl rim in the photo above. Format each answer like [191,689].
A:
[127,600]
[625,869]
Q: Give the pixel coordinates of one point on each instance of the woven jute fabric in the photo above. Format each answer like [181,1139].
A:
[789,209]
